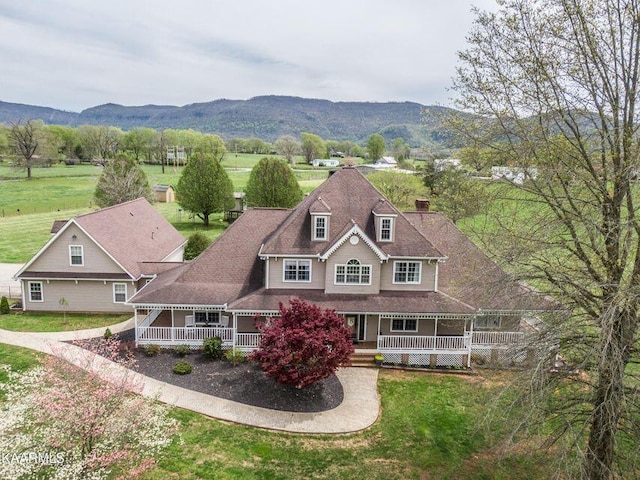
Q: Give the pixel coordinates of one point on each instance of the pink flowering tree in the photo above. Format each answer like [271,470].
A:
[303,345]
[87,427]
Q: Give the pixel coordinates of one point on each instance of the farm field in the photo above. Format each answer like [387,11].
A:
[29,207]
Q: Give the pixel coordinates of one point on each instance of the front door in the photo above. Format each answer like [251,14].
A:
[357,324]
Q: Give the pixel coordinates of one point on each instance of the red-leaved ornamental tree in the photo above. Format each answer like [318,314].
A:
[303,345]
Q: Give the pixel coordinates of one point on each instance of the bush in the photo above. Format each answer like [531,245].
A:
[4,306]
[107,334]
[182,368]
[235,356]
[212,347]
[196,244]
[151,349]
[183,350]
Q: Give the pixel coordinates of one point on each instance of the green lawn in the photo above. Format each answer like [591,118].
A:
[56,322]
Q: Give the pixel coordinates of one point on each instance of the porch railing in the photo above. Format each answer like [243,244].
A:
[497,338]
[146,322]
[185,335]
[422,343]
[247,341]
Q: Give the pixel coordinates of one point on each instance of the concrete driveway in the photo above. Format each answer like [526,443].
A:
[9,287]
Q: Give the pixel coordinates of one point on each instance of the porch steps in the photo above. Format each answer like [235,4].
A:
[363,358]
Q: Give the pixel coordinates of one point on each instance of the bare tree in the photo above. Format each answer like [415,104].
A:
[25,139]
[560,78]
[288,147]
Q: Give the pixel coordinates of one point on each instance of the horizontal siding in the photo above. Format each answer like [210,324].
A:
[56,257]
[365,256]
[427,280]
[84,296]
[276,274]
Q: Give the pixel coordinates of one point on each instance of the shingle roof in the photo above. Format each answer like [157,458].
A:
[226,270]
[469,274]
[132,232]
[352,200]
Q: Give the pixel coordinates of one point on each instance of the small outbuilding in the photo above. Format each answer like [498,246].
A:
[164,193]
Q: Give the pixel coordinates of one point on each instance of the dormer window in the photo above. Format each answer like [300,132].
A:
[320,227]
[386,230]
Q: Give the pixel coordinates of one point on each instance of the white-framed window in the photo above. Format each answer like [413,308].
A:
[407,272]
[386,229]
[76,255]
[488,321]
[320,227]
[35,292]
[206,318]
[119,292]
[353,273]
[297,271]
[404,325]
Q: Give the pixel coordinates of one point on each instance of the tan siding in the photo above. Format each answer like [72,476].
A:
[428,278]
[177,256]
[346,252]
[84,296]
[276,275]
[247,324]
[56,257]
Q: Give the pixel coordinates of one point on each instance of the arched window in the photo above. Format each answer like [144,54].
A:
[353,273]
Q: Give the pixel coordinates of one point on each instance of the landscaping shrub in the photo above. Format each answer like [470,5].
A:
[4,306]
[107,334]
[235,356]
[182,368]
[212,347]
[183,350]
[151,349]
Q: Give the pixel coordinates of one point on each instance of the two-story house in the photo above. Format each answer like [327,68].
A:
[410,285]
[96,261]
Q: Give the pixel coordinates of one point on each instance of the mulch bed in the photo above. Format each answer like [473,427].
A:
[245,383]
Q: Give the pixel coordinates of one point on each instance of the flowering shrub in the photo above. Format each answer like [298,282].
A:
[60,422]
[303,345]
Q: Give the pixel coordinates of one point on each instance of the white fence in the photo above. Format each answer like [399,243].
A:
[405,343]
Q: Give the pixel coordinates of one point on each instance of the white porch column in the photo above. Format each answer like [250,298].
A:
[135,324]
[173,335]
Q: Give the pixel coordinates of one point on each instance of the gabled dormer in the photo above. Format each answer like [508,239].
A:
[320,214]
[385,221]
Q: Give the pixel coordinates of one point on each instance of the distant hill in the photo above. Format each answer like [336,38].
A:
[265,117]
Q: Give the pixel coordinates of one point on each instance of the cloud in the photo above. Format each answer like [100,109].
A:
[74,54]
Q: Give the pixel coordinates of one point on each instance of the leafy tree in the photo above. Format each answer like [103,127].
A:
[196,244]
[400,150]
[288,147]
[139,141]
[376,147]
[65,138]
[272,184]
[312,146]
[27,140]
[400,188]
[213,146]
[121,180]
[204,187]
[561,78]
[303,345]
[459,196]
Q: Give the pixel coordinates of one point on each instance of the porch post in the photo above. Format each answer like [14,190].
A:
[135,323]
[173,334]
[435,327]
[235,329]
[378,332]
[470,340]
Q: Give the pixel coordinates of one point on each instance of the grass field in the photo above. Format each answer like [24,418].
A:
[428,429]
[56,322]
[29,207]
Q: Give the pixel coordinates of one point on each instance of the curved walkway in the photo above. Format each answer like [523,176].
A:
[358,410]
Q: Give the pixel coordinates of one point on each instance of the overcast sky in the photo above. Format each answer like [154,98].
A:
[75,54]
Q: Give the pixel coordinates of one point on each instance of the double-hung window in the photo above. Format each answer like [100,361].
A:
[406,272]
[353,273]
[76,257]
[35,292]
[119,292]
[404,325]
[320,228]
[206,318]
[386,229]
[297,270]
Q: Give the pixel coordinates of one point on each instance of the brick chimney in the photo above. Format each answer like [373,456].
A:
[422,205]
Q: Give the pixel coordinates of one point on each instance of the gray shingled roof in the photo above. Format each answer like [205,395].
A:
[132,232]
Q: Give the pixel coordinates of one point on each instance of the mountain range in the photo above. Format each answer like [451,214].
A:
[265,117]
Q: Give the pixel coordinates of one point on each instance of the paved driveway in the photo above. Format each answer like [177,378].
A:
[9,287]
